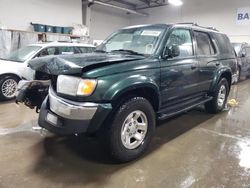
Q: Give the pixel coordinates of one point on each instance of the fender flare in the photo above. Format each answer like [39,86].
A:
[217,78]
[11,74]
[129,84]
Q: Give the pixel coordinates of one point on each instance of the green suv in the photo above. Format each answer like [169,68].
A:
[139,74]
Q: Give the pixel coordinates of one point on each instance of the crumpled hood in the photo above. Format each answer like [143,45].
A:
[74,64]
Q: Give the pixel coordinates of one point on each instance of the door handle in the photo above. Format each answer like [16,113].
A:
[193,67]
[217,64]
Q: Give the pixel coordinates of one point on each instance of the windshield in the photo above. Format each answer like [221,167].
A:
[143,40]
[22,54]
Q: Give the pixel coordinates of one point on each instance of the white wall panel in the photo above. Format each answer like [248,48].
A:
[219,14]
[106,20]
[17,14]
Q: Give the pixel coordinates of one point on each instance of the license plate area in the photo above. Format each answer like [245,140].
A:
[52,119]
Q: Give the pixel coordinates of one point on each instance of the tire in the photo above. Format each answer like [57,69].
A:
[8,86]
[238,75]
[217,104]
[123,127]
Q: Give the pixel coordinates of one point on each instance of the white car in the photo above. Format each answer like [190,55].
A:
[14,67]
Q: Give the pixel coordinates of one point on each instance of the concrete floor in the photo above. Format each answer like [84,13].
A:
[192,150]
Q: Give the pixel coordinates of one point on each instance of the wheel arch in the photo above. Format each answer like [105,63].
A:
[148,91]
[222,73]
[10,74]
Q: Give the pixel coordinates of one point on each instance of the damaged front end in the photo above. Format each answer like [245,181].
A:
[32,93]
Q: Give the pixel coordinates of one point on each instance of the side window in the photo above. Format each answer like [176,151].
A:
[90,49]
[53,51]
[66,50]
[204,44]
[243,51]
[86,49]
[48,51]
[77,50]
[248,52]
[182,38]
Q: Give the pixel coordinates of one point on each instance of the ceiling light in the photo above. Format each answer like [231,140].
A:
[175,2]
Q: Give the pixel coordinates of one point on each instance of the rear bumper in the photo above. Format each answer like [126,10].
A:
[70,117]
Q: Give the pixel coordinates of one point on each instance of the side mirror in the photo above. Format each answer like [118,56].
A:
[171,51]
[243,54]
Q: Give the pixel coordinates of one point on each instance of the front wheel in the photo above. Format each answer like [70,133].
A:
[8,86]
[219,97]
[131,130]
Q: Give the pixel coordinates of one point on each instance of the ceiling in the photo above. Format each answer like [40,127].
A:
[137,4]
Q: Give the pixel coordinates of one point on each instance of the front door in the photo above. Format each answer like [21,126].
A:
[179,75]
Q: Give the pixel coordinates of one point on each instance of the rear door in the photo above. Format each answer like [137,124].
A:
[179,75]
[206,53]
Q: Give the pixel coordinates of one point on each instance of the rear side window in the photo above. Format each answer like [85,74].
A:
[48,51]
[86,49]
[223,44]
[248,52]
[204,44]
[65,50]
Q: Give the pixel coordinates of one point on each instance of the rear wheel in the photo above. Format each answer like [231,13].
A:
[238,75]
[219,97]
[131,130]
[8,86]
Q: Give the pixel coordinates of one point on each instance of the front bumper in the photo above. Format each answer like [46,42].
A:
[70,117]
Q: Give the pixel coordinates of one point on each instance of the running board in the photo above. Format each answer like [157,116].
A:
[171,112]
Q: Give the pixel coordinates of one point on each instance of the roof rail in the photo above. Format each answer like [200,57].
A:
[195,24]
[213,28]
[188,23]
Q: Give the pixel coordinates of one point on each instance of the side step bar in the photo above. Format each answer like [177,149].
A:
[171,111]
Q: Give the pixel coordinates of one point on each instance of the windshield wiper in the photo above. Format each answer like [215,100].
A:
[129,51]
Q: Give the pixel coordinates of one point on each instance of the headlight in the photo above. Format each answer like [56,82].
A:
[75,86]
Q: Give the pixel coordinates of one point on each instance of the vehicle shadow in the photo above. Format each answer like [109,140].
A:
[8,101]
[83,160]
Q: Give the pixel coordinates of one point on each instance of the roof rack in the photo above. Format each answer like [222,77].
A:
[195,24]
[188,23]
[213,28]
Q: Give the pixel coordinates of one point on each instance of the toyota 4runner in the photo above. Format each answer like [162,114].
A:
[139,74]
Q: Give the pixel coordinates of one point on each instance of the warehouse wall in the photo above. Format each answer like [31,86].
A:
[17,14]
[105,20]
[219,14]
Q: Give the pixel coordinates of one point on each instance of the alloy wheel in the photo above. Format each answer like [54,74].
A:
[134,129]
[222,96]
[9,87]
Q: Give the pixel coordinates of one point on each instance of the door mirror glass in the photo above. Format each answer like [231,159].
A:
[171,51]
